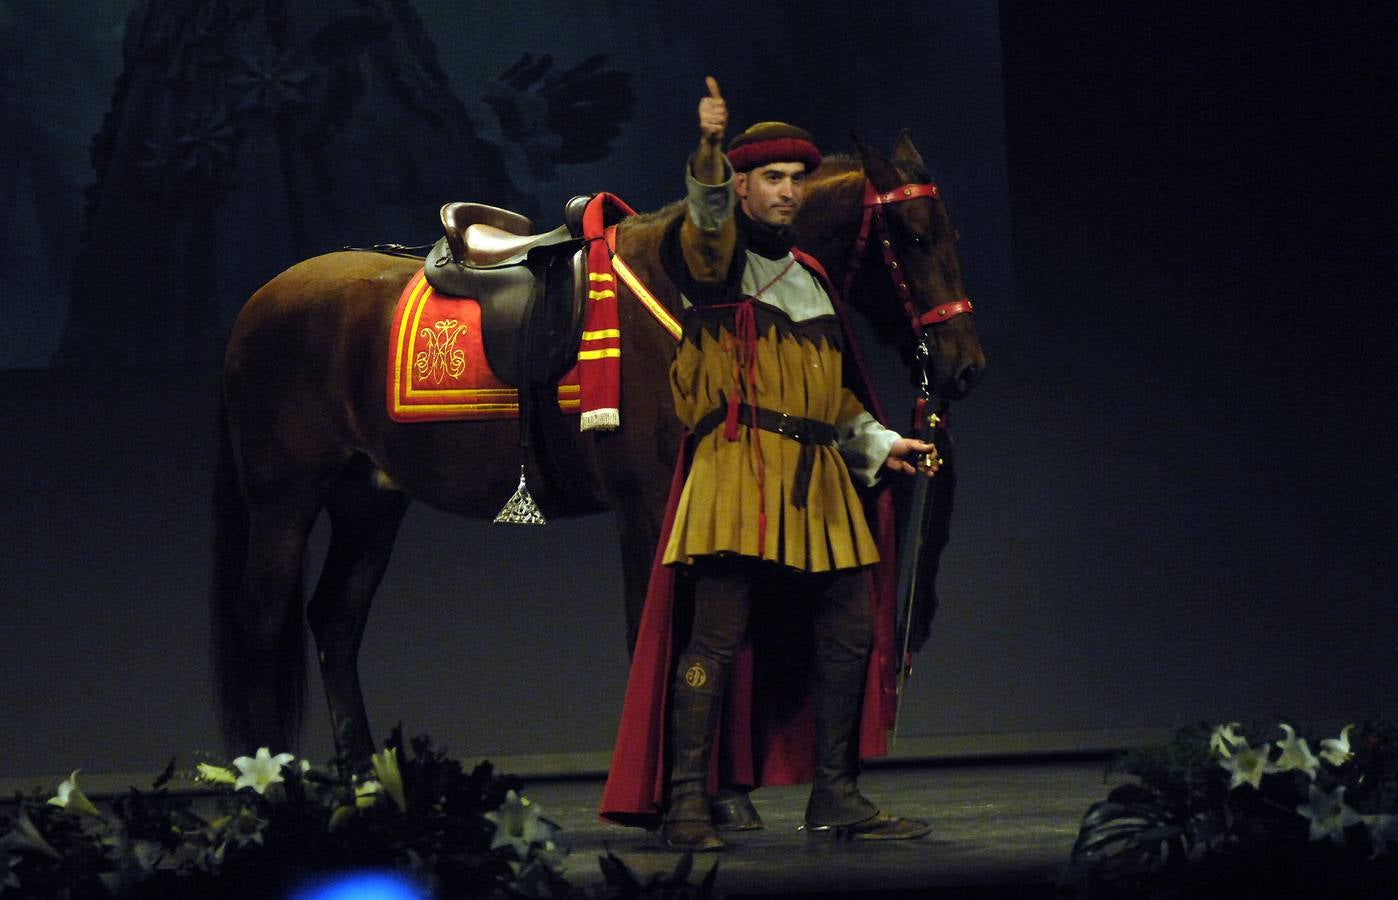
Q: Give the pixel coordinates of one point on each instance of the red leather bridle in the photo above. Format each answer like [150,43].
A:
[875,223]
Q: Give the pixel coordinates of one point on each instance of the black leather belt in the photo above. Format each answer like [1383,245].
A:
[799,429]
[806,432]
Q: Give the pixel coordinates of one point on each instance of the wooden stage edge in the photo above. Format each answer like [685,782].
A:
[1005,810]
[1008,747]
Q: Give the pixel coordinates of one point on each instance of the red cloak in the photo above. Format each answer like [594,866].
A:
[767,734]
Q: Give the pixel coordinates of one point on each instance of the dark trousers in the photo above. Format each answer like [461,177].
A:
[725,588]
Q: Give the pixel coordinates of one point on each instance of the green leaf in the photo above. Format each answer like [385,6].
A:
[1129,838]
[619,875]
[683,867]
[165,776]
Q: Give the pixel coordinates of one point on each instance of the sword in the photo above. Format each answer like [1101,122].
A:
[929,424]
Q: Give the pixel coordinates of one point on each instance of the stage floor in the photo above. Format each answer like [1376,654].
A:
[999,829]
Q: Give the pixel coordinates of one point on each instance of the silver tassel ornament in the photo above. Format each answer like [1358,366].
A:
[520,508]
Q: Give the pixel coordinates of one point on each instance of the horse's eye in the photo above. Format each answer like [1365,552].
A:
[920,241]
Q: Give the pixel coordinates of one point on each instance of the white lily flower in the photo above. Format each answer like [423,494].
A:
[1328,814]
[1224,739]
[1295,754]
[518,825]
[146,855]
[25,835]
[1247,765]
[71,798]
[261,771]
[552,856]
[1336,750]
[390,777]
[246,827]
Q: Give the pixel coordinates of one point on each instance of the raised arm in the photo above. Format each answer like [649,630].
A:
[709,232]
[709,165]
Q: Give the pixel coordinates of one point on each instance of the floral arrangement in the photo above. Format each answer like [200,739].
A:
[1210,813]
[267,823]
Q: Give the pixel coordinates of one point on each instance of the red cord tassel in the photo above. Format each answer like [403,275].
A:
[730,421]
[744,348]
[744,363]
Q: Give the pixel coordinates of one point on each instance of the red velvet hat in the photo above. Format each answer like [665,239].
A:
[770,142]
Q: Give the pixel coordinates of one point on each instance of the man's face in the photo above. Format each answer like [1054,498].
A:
[772,194]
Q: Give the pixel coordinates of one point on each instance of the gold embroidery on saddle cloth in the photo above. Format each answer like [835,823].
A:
[441,358]
[437,365]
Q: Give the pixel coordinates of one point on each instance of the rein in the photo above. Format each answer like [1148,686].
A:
[875,224]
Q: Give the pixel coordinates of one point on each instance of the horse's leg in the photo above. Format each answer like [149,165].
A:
[272,664]
[639,530]
[364,520]
[638,479]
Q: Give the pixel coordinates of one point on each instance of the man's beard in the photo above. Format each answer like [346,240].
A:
[771,241]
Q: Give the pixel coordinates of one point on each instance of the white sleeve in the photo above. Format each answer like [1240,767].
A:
[864,444]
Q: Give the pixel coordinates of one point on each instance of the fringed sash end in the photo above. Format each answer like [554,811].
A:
[606,419]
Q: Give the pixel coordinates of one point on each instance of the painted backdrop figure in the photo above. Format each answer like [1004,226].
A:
[769,513]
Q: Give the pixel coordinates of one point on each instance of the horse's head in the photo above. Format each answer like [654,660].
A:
[879,225]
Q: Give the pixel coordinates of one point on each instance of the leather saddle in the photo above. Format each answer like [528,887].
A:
[532,288]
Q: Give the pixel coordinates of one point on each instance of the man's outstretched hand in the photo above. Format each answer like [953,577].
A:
[713,124]
[919,464]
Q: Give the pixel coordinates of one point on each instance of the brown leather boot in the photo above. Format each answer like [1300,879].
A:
[836,806]
[696,700]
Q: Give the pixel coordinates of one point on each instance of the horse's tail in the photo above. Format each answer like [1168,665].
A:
[233,649]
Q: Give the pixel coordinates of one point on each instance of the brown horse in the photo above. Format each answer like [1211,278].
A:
[308,430]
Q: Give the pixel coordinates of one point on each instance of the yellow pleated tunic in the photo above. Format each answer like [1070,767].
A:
[799,371]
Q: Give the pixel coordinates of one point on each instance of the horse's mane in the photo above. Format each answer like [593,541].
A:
[833,193]
[843,171]
[835,196]
[837,174]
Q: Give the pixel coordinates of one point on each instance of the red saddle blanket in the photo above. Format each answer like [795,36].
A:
[437,368]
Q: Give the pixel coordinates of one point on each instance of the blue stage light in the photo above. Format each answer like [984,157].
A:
[361,886]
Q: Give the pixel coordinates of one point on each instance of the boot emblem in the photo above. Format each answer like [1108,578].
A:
[695,676]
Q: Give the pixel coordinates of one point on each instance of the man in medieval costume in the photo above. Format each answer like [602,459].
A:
[769,530]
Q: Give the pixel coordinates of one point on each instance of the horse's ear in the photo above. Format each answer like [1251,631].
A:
[904,151]
[877,167]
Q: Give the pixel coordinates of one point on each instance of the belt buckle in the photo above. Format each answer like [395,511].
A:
[790,426]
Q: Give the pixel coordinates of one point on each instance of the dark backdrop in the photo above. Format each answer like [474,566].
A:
[1176,482]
